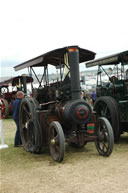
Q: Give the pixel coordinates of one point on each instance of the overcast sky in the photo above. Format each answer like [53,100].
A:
[29,28]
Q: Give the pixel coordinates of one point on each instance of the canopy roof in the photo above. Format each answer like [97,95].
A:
[121,57]
[15,80]
[55,58]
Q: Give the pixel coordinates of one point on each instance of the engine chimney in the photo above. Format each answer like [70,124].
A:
[24,84]
[74,72]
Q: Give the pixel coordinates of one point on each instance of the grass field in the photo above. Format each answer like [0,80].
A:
[82,171]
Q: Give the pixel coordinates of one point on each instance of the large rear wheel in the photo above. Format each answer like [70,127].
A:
[30,130]
[106,107]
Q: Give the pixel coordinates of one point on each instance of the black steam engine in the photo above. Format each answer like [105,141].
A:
[56,113]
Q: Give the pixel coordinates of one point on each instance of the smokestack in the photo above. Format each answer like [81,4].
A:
[25,84]
[74,72]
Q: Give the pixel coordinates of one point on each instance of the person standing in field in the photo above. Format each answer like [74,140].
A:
[83,96]
[93,96]
[16,108]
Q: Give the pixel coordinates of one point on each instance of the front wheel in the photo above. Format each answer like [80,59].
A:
[56,141]
[105,138]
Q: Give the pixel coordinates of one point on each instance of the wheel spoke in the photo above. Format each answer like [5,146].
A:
[57,148]
[105,112]
[105,109]
[56,139]
[28,113]
[104,147]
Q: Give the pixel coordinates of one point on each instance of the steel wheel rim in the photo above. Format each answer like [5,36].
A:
[104,144]
[105,138]
[31,133]
[27,126]
[56,141]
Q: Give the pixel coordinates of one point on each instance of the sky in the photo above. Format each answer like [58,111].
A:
[29,28]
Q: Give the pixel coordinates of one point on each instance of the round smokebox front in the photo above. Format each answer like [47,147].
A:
[78,111]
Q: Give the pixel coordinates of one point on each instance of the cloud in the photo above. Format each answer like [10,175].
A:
[7,69]
[8,63]
[31,28]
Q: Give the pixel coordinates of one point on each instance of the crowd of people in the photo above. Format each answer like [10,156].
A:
[90,97]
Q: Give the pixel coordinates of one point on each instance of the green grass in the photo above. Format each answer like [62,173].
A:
[18,156]
[23,172]
[13,156]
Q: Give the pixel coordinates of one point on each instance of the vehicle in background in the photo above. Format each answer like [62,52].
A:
[8,90]
[112,90]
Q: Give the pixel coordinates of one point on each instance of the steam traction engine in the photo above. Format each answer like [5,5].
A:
[8,96]
[112,91]
[56,113]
